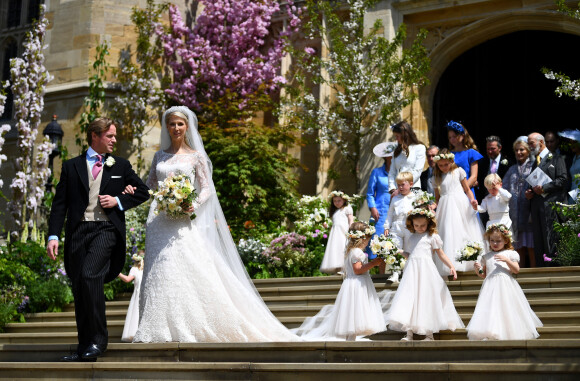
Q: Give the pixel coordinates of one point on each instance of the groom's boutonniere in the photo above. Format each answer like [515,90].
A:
[504,162]
[110,161]
[550,156]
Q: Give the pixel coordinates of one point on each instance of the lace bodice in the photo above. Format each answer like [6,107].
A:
[190,164]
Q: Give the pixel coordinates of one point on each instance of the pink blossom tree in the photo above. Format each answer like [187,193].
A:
[230,48]
[29,79]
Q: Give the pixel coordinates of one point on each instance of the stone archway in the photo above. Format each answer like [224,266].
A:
[448,48]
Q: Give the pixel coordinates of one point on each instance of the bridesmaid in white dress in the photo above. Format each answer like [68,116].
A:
[357,310]
[132,318]
[195,287]
[457,219]
[422,303]
[342,216]
[502,311]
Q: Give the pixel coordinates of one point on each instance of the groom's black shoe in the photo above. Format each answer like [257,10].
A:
[92,352]
[75,357]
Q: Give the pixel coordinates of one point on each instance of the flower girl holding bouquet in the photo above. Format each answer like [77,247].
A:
[357,310]
[422,303]
[342,217]
[502,311]
[457,218]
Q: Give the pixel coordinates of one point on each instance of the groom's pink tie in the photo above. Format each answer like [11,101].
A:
[97,167]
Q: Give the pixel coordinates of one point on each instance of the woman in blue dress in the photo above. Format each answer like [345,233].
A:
[378,196]
[465,151]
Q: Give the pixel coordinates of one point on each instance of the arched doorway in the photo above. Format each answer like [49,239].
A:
[496,88]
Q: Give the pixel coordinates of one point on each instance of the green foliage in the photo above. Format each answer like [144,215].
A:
[254,177]
[96,97]
[370,78]
[568,246]
[37,283]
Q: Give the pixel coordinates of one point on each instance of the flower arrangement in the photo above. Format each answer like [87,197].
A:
[470,252]
[356,234]
[423,199]
[312,214]
[502,228]
[386,248]
[421,212]
[110,161]
[444,156]
[175,193]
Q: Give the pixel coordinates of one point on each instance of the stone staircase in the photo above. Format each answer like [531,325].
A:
[31,350]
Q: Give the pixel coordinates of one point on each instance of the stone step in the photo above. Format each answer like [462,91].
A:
[297,309]
[115,327]
[66,333]
[289,371]
[511,351]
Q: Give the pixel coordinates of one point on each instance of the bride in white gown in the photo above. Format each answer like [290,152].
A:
[195,287]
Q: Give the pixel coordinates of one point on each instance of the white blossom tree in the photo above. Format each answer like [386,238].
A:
[29,79]
[568,86]
[4,128]
[370,78]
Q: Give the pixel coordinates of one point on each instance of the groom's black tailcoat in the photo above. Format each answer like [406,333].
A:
[94,252]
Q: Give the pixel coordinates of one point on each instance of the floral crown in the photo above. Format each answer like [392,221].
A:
[423,198]
[357,234]
[444,156]
[502,229]
[457,127]
[137,258]
[339,194]
[421,212]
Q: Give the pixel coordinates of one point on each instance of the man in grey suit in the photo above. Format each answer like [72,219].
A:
[543,197]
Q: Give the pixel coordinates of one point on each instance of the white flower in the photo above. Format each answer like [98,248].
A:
[550,156]
[110,161]
[504,162]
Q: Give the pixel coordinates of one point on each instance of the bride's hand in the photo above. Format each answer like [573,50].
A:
[188,209]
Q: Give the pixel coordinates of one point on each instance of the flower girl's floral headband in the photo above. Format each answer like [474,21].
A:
[357,234]
[502,229]
[339,194]
[444,156]
[421,212]
[137,258]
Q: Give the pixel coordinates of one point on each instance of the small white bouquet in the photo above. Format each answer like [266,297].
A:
[470,252]
[423,199]
[386,248]
[174,194]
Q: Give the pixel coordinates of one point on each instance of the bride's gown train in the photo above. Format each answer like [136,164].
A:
[189,292]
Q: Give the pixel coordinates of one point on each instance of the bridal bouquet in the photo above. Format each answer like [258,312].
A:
[470,252]
[386,248]
[175,193]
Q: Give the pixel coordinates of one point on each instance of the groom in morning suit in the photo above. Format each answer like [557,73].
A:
[90,196]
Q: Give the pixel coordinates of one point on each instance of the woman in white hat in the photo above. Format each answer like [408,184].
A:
[378,196]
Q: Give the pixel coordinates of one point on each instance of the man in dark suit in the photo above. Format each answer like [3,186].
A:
[428,173]
[496,162]
[90,195]
[542,197]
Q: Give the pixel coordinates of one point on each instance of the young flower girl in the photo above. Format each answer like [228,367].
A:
[502,311]
[401,204]
[135,275]
[496,203]
[342,216]
[422,303]
[456,218]
[357,310]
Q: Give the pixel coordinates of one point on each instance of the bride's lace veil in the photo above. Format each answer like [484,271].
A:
[210,220]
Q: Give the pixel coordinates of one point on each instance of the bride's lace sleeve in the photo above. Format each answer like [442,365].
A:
[152,178]
[203,178]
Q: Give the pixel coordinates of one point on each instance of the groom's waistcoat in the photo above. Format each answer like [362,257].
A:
[94,211]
